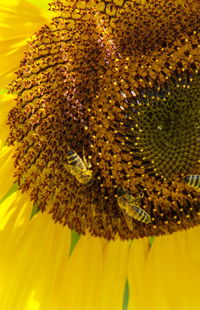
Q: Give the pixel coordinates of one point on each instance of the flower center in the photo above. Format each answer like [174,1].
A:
[98,101]
[166,122]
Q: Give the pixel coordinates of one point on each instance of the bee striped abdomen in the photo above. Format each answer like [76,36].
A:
[193,180]
[74,160]
[141,215]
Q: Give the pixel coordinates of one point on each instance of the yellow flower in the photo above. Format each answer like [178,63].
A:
[42,264]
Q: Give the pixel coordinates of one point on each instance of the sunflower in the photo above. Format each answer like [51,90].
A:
[99,150]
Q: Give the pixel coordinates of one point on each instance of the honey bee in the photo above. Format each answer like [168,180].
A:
[193,180]
[131,208]
[79,168]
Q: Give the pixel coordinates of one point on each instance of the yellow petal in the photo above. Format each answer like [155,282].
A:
[79,283]
[111,287]
[44,4]
[170,275]
[7,169]
[6,103]
[14,216]
[19,19]
[136,272]
[34,253]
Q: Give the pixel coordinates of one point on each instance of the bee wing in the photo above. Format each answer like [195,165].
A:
[128,221]
[74,170]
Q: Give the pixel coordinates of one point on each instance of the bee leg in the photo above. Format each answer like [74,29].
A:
[87,163]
